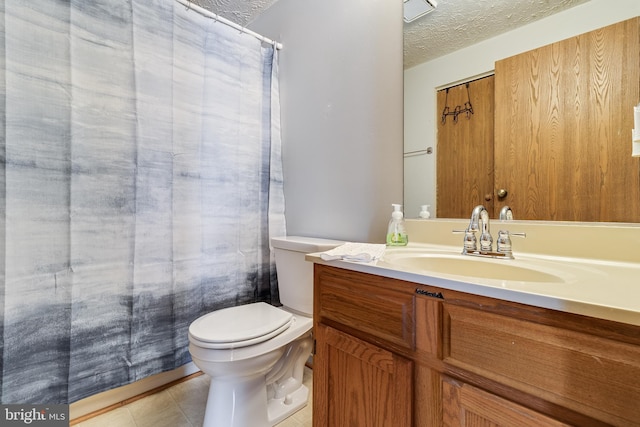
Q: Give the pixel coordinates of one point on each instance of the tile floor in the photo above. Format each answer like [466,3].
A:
[181,406]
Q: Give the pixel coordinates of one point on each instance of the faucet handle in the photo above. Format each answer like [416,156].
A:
[486,242]
[503,245]
[470,240]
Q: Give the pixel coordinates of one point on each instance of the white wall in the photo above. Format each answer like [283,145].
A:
[341,94]
[422,81]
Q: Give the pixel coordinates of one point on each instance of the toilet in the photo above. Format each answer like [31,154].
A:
[255,353]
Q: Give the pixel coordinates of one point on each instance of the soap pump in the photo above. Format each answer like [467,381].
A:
[424,212]
[397,232]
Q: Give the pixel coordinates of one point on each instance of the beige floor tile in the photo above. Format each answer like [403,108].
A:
[158,410]
[302,418]
[291,422]
[191,397]
[120,417]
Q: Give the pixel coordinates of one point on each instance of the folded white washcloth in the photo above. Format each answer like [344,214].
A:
[362,252]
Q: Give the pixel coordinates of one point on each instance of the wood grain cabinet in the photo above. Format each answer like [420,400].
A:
[470,406]
[395,353]
[361,384]
[549,366]
[361,377]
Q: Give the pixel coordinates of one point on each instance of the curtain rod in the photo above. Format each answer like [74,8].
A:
[189,5]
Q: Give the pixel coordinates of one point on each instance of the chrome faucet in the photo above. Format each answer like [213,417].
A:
[503,244]
[506,214]
[479,216]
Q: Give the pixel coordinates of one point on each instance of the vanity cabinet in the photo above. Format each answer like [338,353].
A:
[362,376]
[395,353]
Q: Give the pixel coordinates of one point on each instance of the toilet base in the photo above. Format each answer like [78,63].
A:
[224,397]
[279,409]
[236,403]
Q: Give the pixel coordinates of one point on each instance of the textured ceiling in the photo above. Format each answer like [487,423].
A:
[454,24]
[460,23]
[239,11]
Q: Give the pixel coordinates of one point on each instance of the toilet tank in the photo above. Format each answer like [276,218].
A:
[295,275]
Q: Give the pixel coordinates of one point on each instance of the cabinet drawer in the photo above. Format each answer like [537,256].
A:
[466,405]
[591,375]
[349,298]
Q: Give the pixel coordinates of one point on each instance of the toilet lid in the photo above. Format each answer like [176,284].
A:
[240,326]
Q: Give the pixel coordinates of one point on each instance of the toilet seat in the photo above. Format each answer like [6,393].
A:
[239,326]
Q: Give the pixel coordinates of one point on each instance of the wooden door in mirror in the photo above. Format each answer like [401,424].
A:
[465,148]
[563,120]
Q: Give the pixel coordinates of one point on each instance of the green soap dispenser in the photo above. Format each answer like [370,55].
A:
[397,232]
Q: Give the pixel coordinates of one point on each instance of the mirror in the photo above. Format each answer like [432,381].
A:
[423,81]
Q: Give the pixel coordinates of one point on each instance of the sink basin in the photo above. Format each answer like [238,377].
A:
[468,266]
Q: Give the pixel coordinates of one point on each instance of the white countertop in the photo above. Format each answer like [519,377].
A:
[602,289]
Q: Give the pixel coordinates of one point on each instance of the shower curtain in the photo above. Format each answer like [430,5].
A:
[140,182]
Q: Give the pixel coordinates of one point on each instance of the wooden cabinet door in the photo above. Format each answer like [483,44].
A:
[465,405]
[465,150]
[563,120]
[359,384]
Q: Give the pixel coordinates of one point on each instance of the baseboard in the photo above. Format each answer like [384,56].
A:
[103,402]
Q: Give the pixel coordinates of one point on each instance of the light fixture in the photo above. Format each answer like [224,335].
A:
[414,9]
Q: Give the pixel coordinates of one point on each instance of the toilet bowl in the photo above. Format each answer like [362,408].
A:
[255,353]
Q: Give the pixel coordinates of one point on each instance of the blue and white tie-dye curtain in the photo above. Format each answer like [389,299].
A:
[140,182]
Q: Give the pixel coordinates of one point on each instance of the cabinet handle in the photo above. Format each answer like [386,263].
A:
[502,193]
[429,294]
